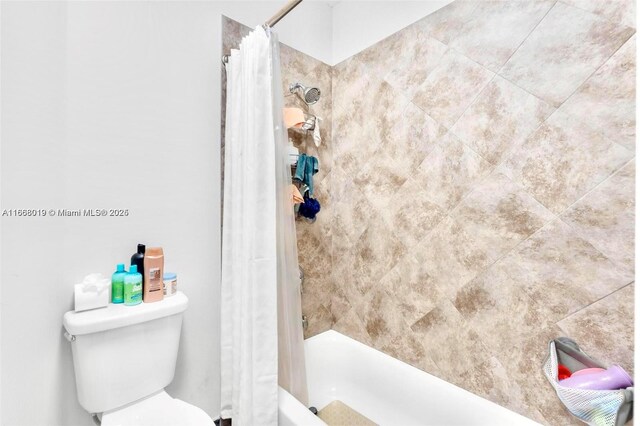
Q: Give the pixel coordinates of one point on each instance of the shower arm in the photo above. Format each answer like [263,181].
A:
[272,21]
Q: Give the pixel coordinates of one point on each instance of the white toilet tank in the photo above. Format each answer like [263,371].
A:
[124,353]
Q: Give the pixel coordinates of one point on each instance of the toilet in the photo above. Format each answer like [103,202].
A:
[124,357]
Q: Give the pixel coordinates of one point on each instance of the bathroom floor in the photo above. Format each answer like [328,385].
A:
[337,413]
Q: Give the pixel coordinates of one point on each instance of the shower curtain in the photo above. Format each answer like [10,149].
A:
[261,339]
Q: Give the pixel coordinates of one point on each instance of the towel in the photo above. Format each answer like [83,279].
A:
[306,168]
[293,117]
[296,195]
[316,132]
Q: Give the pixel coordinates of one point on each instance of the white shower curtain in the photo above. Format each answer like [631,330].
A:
[261,342]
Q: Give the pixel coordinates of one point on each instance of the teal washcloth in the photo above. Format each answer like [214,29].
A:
[306,168]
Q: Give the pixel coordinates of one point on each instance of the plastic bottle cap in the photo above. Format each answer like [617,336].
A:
[141,248]
[133,269]
[120,267]
[169,276]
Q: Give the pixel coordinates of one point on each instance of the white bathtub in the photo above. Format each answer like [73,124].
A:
[384,389]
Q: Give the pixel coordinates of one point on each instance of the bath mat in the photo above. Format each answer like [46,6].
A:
[337,413]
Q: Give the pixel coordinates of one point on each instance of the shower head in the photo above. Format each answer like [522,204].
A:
[310,95]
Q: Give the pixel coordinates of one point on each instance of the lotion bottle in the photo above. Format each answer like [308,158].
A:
[153,271]
[133,287]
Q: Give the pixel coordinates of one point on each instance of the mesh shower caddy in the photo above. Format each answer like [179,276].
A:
[594,407]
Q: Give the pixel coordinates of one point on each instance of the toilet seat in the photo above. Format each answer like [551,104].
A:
[159,409]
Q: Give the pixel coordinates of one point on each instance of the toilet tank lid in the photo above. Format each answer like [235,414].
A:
[119,315]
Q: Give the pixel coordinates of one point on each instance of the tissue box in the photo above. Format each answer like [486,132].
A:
[94,292]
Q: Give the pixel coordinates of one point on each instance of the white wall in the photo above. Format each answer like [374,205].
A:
[360,24]
[109,105]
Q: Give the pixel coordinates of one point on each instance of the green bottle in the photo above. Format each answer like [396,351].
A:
[132,287]
[117,284]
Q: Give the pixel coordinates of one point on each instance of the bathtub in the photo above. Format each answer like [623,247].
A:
[384,389]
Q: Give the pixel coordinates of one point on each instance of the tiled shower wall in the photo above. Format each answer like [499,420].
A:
[478,194]
[483,193]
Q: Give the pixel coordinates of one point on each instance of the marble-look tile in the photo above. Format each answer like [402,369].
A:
[618,11]
[378,312]
[416,291]
[347,79]
[407,348]
[412,137]
[451,256]
[313,291]
[382,111]
[232,34]
[343,260]
[352,211]
[495,295]
[562,160]
[414,60]
[316,266]
[500,118]
[490,380]
[376,61]
[564,49]
[369,101]
[376,252]
[497,29]
[353,142]
[351,217]
[411,214]
[339,304]
[379,179]
[445,324]
[606,216]
[319,321]
[500,215]
[309,241]
[449,171]
[604,329]
[294,66]
[451,87]
[561,270]
[351,325]
[523,362]
[606,101]
[446,23]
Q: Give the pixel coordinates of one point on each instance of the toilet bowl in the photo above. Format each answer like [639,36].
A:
[124,357]
[157,410]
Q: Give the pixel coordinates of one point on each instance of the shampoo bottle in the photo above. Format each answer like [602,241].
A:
[138,259]
[133,287]
[117,284]
[153,271]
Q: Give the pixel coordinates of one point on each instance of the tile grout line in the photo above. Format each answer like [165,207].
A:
[596,186]
[521,43]
[557,323]
[606,18]
[597,130]
[497,74]
[596,68]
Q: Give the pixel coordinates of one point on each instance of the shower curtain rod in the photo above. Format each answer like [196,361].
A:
[273,20]
[282,13]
